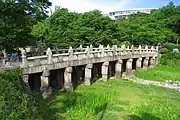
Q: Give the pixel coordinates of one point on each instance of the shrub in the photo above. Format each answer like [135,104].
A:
[164,50]
[172,46]
[14,103]
[171,59]
[126,43]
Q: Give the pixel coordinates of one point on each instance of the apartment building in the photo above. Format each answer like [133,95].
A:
[126,13]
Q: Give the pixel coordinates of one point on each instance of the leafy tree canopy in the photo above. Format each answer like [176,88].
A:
[64,29]
[16,20]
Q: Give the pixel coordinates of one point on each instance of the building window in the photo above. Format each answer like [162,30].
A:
[116,17]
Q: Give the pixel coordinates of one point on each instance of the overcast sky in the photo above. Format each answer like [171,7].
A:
[107,6]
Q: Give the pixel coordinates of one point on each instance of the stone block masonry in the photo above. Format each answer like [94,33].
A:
[141,57]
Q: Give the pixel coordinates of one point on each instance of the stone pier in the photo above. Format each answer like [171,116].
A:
[118,69]
[138,63]
[145,64]
[152,62]
[45,84]
[129,67]
[88,73]
[105,71]
[68,86]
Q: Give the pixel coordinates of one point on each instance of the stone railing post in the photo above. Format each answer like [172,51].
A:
[129,67]
[87,51]
[118,69]
[108,47]
[140,49]
[71,53]
[80,48]
[49,56]
[102,50]
[132,48]
[24,59]
[145,63]
[104,70]
[138,63]
[157,49]
[4,57]
[88,71]
[146,48]
[152,49]
[115,49]
[45,84]
[68,86]
[91,47]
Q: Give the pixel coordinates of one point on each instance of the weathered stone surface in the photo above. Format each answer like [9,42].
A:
[49,56]
[43,62]
[145,63]
[65,59]
[118,69]
[45,85]
[60,59]
[129,67]
[104,70]
[68,79]
[55,60]
[138,63]
[88,73]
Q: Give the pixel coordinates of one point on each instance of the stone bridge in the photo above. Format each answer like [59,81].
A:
[67,70]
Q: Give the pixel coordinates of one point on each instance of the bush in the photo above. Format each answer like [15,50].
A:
[171,59]
[14,103]
[126,43]
[172,46]
[164,50]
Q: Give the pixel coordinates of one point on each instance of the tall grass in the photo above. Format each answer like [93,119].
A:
[115,100]
[160,73]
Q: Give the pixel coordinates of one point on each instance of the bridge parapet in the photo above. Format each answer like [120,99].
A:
[87,53]
[79,54]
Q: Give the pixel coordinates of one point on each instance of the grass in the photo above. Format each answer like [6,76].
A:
[160,73]
[113,100]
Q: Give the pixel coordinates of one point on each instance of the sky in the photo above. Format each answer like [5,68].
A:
[107,6]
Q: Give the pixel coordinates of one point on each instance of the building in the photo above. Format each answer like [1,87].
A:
[126,13]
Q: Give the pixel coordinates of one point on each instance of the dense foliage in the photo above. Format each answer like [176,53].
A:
[170,59]
[171,46]
[64,29]
[16,20]
[14,103]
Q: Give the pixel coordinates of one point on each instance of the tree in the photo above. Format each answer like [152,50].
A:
[16,20]
[64,29]
[160,26]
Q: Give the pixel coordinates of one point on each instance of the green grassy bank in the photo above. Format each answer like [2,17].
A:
[160,73]
[114,100]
